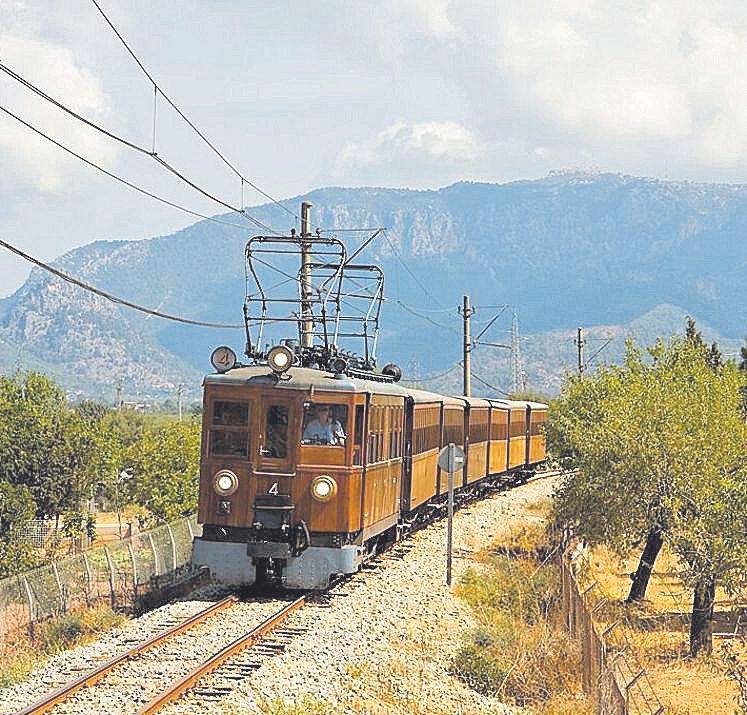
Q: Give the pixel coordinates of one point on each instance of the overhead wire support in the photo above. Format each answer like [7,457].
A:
[159,90]
[588,362]
[136,147]
[110,296]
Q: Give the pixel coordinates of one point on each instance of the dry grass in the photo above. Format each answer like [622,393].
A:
[520,651]
[72,629]
[308,705]
[658,631]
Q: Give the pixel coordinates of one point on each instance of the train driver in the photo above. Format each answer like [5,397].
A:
[324,428]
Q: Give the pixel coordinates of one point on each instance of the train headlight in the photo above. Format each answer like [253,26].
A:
[280,358]
[323,488]
[225,482]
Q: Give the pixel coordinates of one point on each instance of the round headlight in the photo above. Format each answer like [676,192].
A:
[323,488]
[225,482]
[280,358]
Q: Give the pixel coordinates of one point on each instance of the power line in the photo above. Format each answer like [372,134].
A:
[127,183]
[431,378]
[487,384]
[425,317]
[111,297]
[131,145]
[158,90]
[407,268]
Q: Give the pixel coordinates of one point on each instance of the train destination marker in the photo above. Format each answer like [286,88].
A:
[451,459]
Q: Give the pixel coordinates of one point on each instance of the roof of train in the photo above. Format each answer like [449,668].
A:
[304,378]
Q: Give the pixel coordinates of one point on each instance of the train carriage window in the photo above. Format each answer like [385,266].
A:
[234,414]
[229,434]
[325,424]
[518,425]
[229,444]
[358,435]
[276,432]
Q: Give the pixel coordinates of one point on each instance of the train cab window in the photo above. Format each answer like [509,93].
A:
[324,424]
[232,414]
[229,435]
[276,432]
[358,435]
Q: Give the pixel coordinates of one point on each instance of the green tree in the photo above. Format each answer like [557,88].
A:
[91,411]
[17,509]
[45,445]
[165,465]
[659,444]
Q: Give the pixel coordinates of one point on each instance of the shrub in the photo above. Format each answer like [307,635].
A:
[519,652]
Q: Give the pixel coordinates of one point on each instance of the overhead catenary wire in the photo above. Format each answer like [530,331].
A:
[414,312]
[460,363]
[407,268]
[110,296]
[135,147]
[431,378]
[487,384]
[123,181]
[157,89]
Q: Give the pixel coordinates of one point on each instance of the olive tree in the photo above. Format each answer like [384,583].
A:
[660,448]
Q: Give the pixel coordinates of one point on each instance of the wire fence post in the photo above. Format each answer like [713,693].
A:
[134,567]
[110,567]
[63,604]
[89,578]
[156,571]
[173,551]
[30,601]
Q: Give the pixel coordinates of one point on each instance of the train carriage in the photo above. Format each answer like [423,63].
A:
[305,472]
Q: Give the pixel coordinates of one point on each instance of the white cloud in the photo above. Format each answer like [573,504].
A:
[614,80]
[26,157]
[405,151]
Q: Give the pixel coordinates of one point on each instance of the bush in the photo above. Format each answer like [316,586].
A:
[520,652]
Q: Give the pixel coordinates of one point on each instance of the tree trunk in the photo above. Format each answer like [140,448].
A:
[701,624]
[654,542]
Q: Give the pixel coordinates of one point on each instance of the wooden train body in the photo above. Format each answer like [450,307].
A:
[303,473]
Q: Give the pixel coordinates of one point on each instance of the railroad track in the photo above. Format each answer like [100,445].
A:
[178,686]
[183,685]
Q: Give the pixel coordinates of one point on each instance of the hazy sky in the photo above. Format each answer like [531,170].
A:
[416,93]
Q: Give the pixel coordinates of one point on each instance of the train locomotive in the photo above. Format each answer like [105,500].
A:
[311,460]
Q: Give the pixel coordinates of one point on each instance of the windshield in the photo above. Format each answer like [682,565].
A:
[324,424]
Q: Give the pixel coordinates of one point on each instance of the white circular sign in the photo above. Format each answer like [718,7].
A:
[223,359]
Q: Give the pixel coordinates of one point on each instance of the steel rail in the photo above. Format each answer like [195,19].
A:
[177,689]
[55,697]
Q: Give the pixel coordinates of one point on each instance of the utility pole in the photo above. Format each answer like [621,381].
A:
[516,371]
[119,396]
[307,322]
[580,342]
[179,395]
[467,312]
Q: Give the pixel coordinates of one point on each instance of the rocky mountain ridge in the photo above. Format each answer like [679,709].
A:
[569,249]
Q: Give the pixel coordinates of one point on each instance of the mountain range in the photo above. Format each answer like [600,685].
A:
[617,254]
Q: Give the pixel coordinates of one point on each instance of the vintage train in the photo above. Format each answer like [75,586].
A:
[305,471]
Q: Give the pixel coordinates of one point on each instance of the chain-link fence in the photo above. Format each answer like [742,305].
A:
[118,574]
[612,675]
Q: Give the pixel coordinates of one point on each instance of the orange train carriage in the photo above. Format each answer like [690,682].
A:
[302,474]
